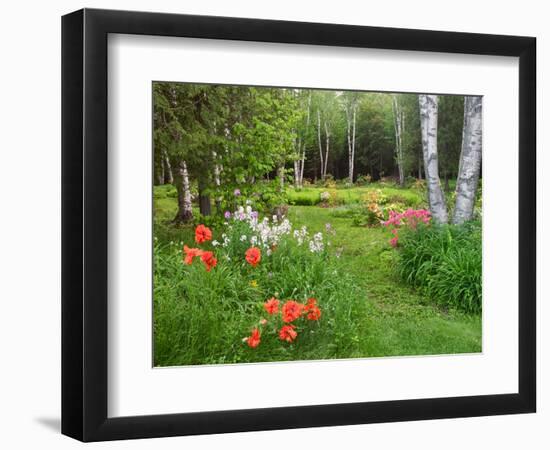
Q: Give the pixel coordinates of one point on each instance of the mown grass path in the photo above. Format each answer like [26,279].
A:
[400,321]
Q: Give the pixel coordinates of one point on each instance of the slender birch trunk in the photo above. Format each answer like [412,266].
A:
[320,144]
[470,160]
[281,175]
[399,126]
[299,165]
[428,125]
[327,138]
[351,111]
[185,210]
[297,172]
[168,175]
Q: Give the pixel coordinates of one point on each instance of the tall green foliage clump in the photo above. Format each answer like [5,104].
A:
[445,263]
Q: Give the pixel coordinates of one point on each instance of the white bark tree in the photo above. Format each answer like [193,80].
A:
[185,210]
[327,148]
[301,149]
[168,176]
[399,126]
[351,113]
[470,160]
[428,125]
[320,144]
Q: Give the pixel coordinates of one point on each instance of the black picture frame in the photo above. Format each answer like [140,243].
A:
[84,224]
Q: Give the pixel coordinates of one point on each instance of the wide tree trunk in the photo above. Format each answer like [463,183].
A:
[470,160]
[185,209]
[205,206]
[428,125]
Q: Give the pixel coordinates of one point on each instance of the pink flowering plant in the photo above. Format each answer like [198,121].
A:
[410,219]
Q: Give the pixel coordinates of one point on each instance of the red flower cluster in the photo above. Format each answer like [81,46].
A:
[272,306]
[202,234]
[254,339]
[291,311]
[209,260]
[191,253]
[312,310]
[253,256]
[288,333]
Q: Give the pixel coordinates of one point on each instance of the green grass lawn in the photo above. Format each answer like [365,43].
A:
[390,319]
[341,195]
[399,321]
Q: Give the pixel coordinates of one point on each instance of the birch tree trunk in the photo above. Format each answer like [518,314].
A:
[297,174]
[327,137]
[320,144]
[281,175]
[185,210]
[351,111]
[428,125]
[168,175]
[299,165]
[470,160]
[399,126]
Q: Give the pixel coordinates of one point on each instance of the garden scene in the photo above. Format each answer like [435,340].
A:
[296,224]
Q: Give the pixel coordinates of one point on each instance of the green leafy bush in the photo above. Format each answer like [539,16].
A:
[445,263]
[165,191]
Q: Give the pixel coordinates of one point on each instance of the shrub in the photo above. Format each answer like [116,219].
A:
[363,180]
[165,191]
[304,197]
[445,263]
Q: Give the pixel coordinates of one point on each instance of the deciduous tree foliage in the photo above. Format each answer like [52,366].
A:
[229,137]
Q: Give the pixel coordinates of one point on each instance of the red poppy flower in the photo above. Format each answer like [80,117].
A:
[202,234]
[314,313]
[254,339]
[272,306]
[292,310]
[288,333]
[253,256]
[191,253]
[312,310]
[311,302]
[209,260]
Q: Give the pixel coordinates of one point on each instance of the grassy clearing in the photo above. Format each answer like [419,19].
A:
[367,308]
[310,196]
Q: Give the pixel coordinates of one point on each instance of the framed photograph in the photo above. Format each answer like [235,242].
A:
[273,224]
